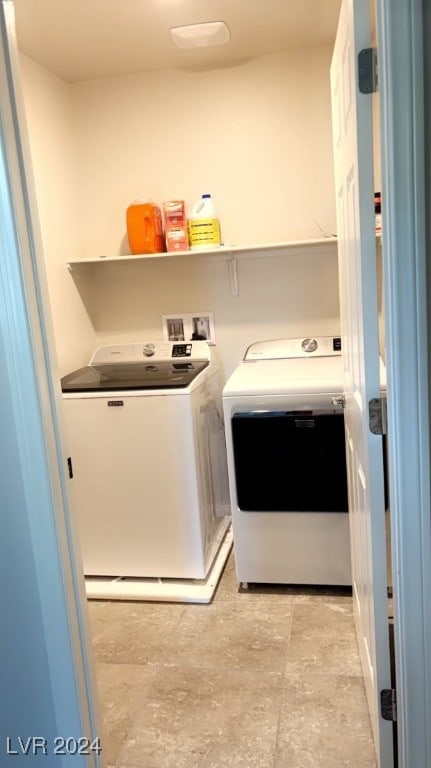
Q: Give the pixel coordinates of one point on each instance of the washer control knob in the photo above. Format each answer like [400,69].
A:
[309,345]
[149,350]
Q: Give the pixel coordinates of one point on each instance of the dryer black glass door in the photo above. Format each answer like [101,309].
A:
[290,461]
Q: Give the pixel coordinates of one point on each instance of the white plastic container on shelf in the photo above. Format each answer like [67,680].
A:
[203,226]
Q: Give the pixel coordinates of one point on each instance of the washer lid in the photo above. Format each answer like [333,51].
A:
[286,376]
[148,374]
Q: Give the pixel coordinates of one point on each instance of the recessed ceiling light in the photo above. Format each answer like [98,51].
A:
[200,35]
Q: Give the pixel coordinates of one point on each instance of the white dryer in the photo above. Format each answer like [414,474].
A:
[287,463]
[144,428]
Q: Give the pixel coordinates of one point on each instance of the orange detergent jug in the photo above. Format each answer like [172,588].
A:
[144,228]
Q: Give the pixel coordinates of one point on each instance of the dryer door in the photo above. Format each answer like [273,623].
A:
[290,461]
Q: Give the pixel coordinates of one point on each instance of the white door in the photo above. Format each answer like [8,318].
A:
[353,158]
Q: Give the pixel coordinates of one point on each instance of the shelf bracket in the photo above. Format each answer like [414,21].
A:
[233,275]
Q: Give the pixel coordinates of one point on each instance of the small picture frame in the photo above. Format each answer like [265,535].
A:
[173,328]
[191,326]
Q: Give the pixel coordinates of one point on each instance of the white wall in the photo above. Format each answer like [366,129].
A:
[49,118]
[257,136]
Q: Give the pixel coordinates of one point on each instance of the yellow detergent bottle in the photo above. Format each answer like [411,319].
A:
[203,226]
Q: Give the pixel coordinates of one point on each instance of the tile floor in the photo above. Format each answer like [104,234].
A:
[262,678]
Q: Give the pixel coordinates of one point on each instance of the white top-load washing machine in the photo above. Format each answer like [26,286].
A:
[144,428]
[287,463]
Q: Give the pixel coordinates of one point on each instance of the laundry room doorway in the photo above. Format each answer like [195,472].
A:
[411,478]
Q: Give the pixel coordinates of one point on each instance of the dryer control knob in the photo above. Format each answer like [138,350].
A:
[149,350]
[309,345]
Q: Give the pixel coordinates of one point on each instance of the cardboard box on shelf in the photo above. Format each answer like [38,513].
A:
[176,237]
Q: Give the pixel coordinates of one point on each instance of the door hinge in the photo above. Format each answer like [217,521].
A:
[69,467]
[388,704]
[367,70]
[378,416]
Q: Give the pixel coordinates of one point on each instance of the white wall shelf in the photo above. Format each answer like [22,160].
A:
[228,253]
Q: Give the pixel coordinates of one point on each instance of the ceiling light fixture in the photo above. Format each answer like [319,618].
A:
[201,35]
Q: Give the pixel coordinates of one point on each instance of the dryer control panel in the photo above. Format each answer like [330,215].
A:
[279,349]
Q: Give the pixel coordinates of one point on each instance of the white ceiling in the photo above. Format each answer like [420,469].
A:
[85,39]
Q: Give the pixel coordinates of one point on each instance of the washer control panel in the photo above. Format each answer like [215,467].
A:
[181,350]
[154,350]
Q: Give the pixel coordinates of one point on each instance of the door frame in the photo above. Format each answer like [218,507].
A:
[354,187]
[403,138]
[35,497]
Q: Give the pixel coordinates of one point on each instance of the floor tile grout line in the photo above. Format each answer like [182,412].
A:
[286,660]
[277,733]
[228,669]
[283,673]
[284,677]
[252,599]
[166,644]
